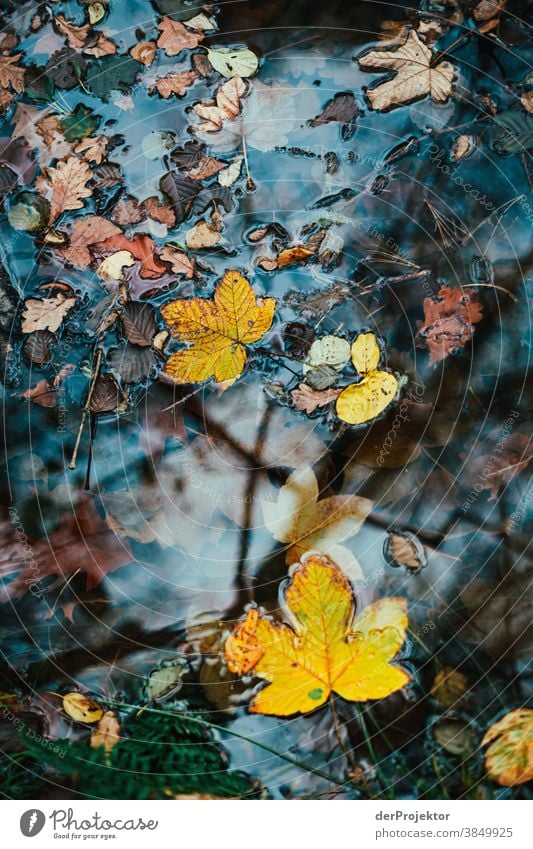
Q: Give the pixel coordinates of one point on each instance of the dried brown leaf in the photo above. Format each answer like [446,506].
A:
[175,37]
[307,400]
[65,185]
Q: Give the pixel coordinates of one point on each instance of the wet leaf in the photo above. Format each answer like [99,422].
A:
[175,83]
[138,320]
[365,353]
[180,191]
[307,400]
[415,75]
[203,235]
[364,401]
[449,686]
[107,732]
[218,330]
[331,351]
[106,397]
[449,319]
[179,261]
[65,185]
[324,650]
[76,35]
[132,363]
[41,394]
[88,231]
[30,212]
[175,37]
[509,758]
[164,682]
[112,267]
[47,314]
[455,735]
[299,519]
[158,211]
[36,346]
[112,73]
[141,248]
[144,52]
[81,708]
[233,63]
[318,301]
[404,549]
[341,108]
[80,123]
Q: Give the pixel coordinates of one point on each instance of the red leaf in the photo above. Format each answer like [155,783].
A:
[141,248]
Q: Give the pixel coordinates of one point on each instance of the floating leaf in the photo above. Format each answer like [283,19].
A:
[233,63]
[164,682]
[65,185]
[307,399]
[361,402]
[415,75]
[364,401]
[46,314]
[304,523]
[175,37]
[331,351]
[180,191]
[88,230]
[81,708]
[509,758]
[30,212]
[175,83]
[138,321]
[449,319]
[217,330]
[325,650]
[112,73]
[179,261]
[404,549]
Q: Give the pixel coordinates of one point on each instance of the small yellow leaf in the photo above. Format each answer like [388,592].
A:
[326,650]
[449,686]
[81,708]
[361,402]
[217,330]
[509,758]
[365,353]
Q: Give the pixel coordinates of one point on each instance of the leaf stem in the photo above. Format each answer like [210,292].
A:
[86,406]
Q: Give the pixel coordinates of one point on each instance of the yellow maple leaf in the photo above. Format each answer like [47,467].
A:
[218,330]
[361,402]
[307,524]
[509,758]
[325,650]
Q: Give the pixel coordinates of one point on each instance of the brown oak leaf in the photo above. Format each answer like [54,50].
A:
[449,319]
[93,149]
[65,185]
[175,37]
[175,83]
[46,314]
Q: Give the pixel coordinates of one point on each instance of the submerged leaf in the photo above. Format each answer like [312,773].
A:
[304,523]
[324,650]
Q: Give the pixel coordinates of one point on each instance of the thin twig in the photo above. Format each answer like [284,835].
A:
[86,406]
